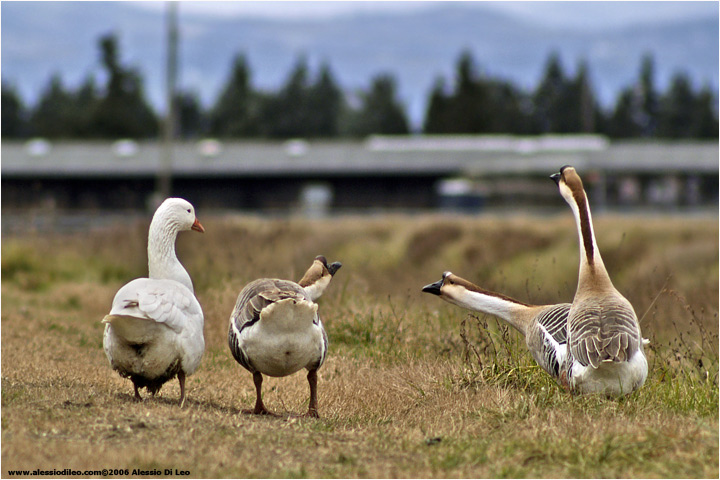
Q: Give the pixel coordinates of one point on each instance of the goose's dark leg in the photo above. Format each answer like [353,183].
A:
[181,379]
[312,380]
[137,393]
[259,406]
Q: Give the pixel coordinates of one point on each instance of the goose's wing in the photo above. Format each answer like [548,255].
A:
[554,321]
[549,345]
[161,301]
[257,295]
[252,300]
[603,331]
[323,351]
[148,310]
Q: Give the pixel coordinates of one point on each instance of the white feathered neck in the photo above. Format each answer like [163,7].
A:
[592,273]
[162,259]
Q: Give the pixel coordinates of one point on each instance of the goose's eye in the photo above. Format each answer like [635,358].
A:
[189,211]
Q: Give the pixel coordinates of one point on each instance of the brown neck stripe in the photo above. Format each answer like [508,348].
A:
[474,288]
[585,225]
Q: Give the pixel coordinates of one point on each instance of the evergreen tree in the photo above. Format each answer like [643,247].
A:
[285,114]
[587,109]
[303,108]
[324,105]
[552,105]
[84,106]
[191,119]
[648,111]
[293,98]
[437,118]
[236,112]
[677,109]
[478,104]
[467,105]
[637,109]
[706,116]
[52,117]
[122,111]
[506,109]
[14,121]
[621,123]
[380,113]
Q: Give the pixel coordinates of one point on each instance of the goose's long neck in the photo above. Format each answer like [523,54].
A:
[513,312]
[162,259]
[592,269]
[316,288]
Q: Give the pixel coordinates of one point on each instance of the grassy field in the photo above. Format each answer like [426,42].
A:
[413,387]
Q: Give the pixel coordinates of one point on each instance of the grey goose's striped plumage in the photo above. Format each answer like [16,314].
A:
[252,301]
[604,329]
[605,345]
[275,329]
[546,337]
[543,326]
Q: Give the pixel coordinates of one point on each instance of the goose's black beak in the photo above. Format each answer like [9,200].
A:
[433,288]
[334,267]
[556,178]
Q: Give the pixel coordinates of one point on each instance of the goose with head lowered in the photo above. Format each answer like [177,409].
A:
[275,329]
[154,331]
[605,351]
[543,326]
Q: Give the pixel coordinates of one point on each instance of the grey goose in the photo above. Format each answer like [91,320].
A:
[275,329]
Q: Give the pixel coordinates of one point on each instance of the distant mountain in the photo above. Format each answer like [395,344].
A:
[40,38]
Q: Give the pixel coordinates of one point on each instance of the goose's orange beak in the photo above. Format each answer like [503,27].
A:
[197,226]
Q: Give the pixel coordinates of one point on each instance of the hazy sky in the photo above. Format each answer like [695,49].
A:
[29,58]
[579,14]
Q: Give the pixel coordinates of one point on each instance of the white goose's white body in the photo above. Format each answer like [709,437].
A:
[275,328]
[605,346]
[154,330]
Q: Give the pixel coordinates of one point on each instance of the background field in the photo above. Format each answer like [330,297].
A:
[413,387]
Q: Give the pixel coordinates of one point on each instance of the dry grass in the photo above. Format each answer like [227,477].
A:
[412,387]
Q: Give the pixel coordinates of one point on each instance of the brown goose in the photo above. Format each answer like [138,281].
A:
[543,326]
[605,346]
[275,329]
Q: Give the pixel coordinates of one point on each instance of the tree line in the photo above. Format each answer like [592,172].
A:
[314,106]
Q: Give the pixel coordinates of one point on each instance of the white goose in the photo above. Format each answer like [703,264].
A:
[605,347]
[543,326]
[154,330]
[275,329]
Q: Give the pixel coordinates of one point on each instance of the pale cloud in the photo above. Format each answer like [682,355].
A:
[291,9]
[566,14]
